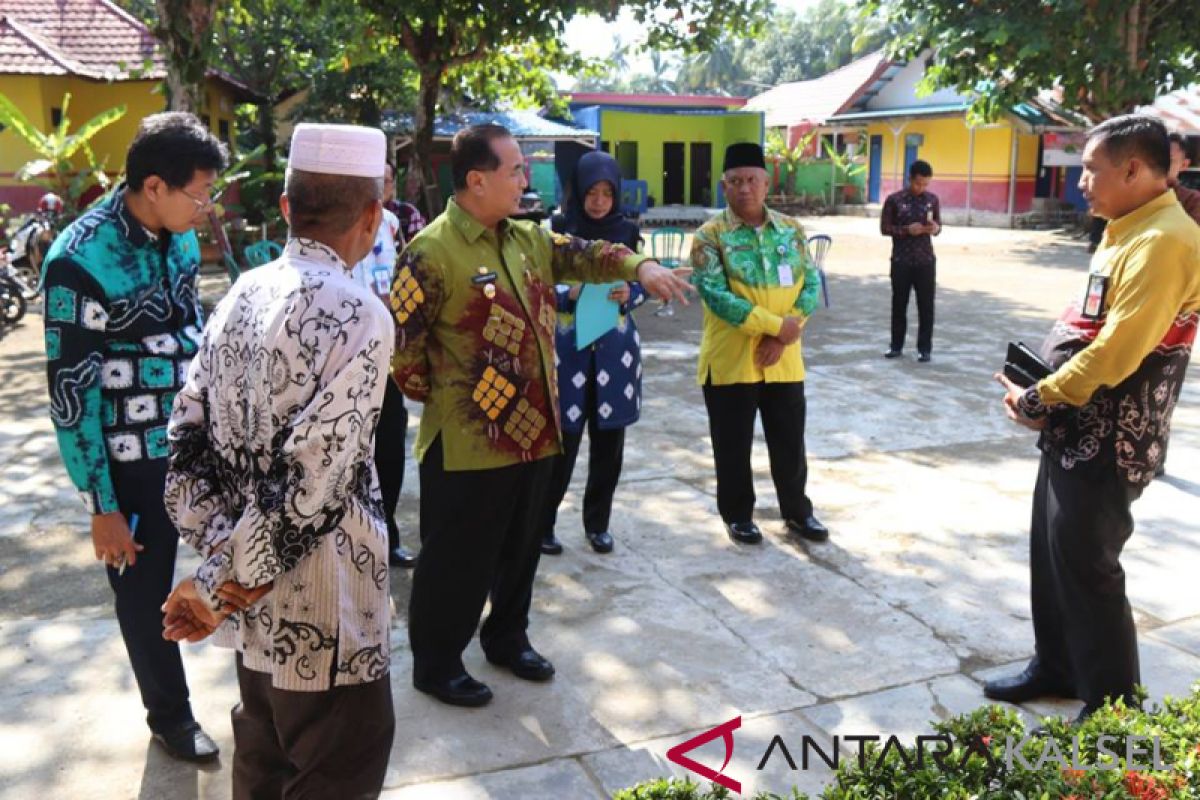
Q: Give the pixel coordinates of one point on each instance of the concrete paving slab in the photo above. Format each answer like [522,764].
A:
[1182,635]
[904,712]
[924,584]
[618,768]
[564,778]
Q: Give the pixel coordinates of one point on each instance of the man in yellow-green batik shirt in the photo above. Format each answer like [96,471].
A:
[751,268]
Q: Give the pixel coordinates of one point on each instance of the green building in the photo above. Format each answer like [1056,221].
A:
[674,143]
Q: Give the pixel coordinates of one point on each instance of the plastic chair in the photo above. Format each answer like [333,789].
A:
[818,248]
[261,253]
[666,246]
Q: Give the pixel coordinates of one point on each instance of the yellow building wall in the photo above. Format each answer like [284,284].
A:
[37,95]
[947,148]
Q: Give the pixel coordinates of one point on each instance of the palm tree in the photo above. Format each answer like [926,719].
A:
[719,71]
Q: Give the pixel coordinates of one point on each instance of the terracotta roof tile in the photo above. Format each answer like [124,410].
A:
[91,38]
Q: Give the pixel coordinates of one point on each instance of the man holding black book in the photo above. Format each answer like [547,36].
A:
[1118,355]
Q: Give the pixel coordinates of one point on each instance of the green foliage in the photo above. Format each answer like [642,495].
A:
[56,151]
[185,29]
[970,775]
[722,69]
[788,158]
[807,45]
[1108,56]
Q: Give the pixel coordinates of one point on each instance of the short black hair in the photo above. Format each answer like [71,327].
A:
[327,204]
[472,150]
[920,168]
[1185,144]
[1135,135]
[172,145]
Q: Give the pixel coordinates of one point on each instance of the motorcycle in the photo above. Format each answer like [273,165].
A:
[12,301]
[28,248]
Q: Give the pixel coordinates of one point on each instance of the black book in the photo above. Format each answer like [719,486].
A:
[1024,367]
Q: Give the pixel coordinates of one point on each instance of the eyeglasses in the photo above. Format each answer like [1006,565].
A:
[201,204]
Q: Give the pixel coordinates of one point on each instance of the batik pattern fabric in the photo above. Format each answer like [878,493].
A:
[749,280]
[122,321]
[611,365]
[475,321]
[271,473]
[1119,372]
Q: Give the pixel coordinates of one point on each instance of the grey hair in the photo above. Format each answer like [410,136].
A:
[327,203]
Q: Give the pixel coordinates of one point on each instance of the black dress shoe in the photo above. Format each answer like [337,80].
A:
[744,532]
[893,353]
[399,557]
[528,665]
[188,742]
[1029,685]
[551,546]
[601,542]
[462,690]
[924,358]
[811,528]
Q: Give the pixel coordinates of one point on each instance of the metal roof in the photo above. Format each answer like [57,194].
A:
[814,101]
[527,125]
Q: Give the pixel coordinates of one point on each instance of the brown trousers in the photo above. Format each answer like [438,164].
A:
[310,745]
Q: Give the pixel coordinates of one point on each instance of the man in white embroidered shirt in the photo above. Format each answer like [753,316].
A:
[272,480]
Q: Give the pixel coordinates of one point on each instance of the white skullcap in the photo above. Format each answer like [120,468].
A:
[349,150]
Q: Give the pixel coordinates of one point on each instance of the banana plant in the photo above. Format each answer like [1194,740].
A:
[57,151]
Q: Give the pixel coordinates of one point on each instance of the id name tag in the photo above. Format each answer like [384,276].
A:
[383,280]
[1093,301]
[785,275]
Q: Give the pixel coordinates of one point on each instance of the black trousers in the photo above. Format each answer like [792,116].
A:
[731,412]
[390,436]
[141,591]
[480,538]
[301,745]
[905,279]
[1082,621]
[606,453]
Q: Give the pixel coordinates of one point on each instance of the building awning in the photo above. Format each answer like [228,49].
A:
[950,109]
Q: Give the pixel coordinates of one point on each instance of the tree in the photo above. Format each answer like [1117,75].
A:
[56,150]
[1108,56]
[444,35]
[799,47]
[721,69]
[185,29]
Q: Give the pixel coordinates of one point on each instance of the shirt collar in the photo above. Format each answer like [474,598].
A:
[735,222]
[471,228]
[314,253]
[137,234]
[1135,220]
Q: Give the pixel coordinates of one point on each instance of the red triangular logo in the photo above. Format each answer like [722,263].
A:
[725,731]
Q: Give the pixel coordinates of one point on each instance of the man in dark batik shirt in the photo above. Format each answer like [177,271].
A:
[912,217]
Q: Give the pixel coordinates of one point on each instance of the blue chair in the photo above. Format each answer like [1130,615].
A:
[818,248]
[633,198]
[261,253]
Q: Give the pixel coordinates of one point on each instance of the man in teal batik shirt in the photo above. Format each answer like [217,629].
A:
[122,322]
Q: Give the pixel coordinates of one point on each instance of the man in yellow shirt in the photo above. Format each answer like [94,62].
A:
[1119,354]
[751,269]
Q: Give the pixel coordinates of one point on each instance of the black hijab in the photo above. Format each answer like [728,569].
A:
[593,168]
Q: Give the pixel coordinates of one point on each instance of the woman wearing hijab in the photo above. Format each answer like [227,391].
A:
[600,386]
